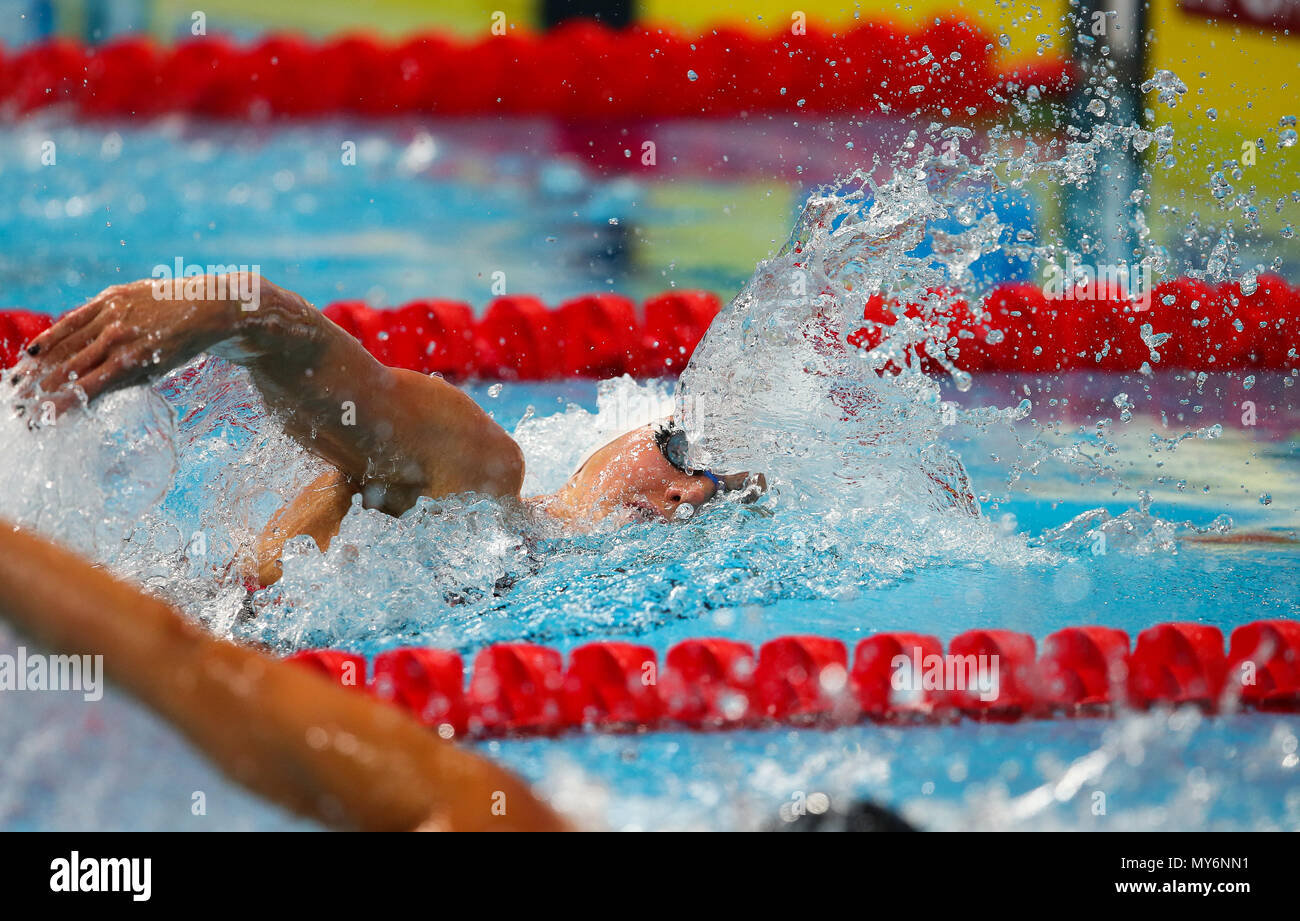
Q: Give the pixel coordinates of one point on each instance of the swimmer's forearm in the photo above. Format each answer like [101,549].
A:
[333,754]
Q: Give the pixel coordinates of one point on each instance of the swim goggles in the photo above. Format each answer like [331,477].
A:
[674,445]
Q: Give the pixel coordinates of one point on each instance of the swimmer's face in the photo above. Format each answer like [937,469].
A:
[631,476]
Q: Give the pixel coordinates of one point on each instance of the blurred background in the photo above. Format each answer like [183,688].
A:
[441,206]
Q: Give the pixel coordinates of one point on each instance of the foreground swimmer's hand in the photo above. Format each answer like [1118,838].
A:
[337,755]
[394,434]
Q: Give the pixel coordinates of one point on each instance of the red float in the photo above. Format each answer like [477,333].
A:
[207,76]
[1177,664]
[1016,329]
[716,683]
[1023,331]
[280,77]
[46,75]
[578,70]
[1003,657]
[516,687]
[346,669]
[429,683]
[598,336]
[123,77]
[517,340]
[17,328]
[675,322]
[1084,669]
[802,679]
[434,336]
[611,686]
[708,683]
[1263,666]
[883,691]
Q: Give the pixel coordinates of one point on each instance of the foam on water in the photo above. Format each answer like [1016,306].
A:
[89,483]
[171,485]
[454,572]
[466,570]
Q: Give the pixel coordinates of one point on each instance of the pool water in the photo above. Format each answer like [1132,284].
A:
[418,209]
[1171,770]
[110,765]
[435,214]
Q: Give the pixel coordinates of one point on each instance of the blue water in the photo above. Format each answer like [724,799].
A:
[441,226]
[1173,771]
[423,209]
[110,765]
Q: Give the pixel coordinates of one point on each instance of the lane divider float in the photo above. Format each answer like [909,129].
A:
[580,69]
[1183,324]
[898,678]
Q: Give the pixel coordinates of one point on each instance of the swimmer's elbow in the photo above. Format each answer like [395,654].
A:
[504,468]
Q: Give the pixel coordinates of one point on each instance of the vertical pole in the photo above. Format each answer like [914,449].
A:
[614,13]
[1109,38]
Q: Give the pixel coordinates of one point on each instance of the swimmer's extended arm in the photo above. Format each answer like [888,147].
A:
[395,434]
[337,755]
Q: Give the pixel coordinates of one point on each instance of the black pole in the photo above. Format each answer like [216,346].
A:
[616,13]
[1099,217]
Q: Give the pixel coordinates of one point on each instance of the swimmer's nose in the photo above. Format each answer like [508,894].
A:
[697,490]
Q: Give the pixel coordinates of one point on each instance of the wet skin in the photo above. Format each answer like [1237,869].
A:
[391,434]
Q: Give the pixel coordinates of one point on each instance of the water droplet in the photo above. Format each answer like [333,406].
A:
[1169,89]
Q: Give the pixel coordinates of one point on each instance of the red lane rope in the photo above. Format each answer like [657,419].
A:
[1211,327]
[579,69]
[520,688]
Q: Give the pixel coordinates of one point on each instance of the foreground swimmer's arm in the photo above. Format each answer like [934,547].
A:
[282,731]
[394,434]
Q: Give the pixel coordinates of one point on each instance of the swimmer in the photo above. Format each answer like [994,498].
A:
[336,755]
[390,434]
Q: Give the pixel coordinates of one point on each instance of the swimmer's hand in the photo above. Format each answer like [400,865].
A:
[132,333]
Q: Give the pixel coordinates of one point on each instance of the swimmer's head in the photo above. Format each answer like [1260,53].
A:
[642,475]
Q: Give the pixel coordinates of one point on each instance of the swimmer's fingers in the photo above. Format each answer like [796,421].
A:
[65,326]
[89,356]
[65,338]
[112,360]
[49,408]
[47,371]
